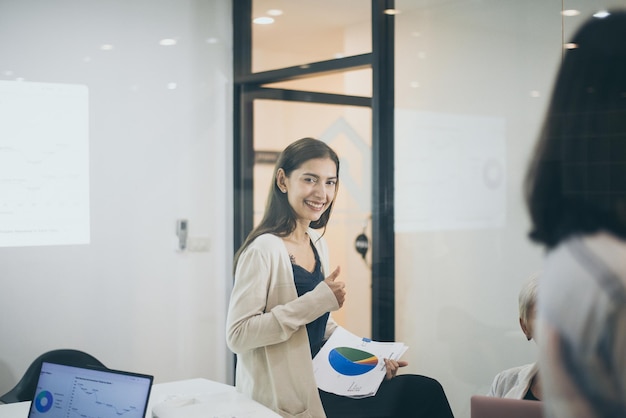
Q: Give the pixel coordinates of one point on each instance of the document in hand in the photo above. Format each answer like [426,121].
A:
[351,366]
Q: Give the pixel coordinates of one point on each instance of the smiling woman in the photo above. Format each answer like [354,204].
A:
[279,313]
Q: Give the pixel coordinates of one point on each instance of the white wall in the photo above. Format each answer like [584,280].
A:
[156,154]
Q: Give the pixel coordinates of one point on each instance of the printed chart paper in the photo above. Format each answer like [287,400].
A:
[351,366]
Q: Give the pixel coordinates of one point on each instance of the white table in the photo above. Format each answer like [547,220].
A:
[210,400]
[14,410]
[193,398]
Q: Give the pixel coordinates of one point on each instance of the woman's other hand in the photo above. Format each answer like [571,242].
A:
[392,367]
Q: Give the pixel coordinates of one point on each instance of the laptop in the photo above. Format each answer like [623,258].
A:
[490,407]
[68,391]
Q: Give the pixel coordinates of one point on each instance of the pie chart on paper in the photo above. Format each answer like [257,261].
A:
[351,361]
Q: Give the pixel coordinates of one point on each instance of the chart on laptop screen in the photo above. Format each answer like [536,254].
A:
[70,392]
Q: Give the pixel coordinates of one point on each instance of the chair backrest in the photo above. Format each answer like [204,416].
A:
[25,388]
[493,407]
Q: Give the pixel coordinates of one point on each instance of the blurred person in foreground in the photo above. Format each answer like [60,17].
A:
[576,195]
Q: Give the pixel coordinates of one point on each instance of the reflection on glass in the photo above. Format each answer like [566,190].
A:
[356,83]
[308,31]
[472,81]
[575,12]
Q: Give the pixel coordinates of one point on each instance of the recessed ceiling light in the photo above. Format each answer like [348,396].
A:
[167,42]
[534,93]
[275,12]
[601,14]
[212,40]
[570,12]
[392,12]
[171,86]
[106,47]
[264,20]
[571,45]
[414,84]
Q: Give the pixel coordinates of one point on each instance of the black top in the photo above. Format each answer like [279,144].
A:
[530,396]
[305,282]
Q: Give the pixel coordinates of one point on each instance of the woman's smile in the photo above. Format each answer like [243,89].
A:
[315,206]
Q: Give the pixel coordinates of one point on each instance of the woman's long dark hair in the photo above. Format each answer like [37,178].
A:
[279,218]
[576,182]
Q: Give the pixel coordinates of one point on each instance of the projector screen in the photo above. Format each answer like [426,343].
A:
[44,164]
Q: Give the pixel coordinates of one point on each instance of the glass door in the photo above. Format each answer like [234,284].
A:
[308,69]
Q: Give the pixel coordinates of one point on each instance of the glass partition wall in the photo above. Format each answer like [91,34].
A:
[317,69]
[472,81]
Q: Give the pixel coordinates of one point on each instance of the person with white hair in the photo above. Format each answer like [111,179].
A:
[521,382]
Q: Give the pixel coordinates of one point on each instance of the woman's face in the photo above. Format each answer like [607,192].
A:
[310,188]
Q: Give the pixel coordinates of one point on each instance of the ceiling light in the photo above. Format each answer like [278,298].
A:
[601,14]
[167,42]
[392,12]
[534,93]
[212,40]
[106,47]
[570,12]
[275,12]
[171,86]
[571,45]
[264,20]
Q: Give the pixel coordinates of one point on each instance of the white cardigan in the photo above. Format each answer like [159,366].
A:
[513,382]
[266,328]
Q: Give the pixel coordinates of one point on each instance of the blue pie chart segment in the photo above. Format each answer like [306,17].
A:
[43,401]
[351,361]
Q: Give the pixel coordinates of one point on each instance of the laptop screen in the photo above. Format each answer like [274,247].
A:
[68,391]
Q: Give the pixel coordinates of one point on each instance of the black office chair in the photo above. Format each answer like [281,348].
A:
[24,390]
